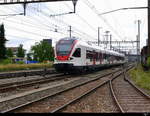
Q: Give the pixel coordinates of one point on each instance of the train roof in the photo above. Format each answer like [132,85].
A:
[85,44]
[68,38]
[82,43]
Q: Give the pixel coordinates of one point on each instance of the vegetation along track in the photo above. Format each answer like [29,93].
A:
[15,102]
[128,97]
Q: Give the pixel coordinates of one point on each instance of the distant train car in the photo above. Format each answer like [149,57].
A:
[72,54]
[144,55]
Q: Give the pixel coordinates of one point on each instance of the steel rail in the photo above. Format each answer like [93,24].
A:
[132,84]
[78,98]
[137,88]
[8,86]
[42,98]
[83,95]
[115,98]
[25,73]
[112,90]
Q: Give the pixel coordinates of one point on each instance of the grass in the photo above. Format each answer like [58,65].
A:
[15,67]
[141,77]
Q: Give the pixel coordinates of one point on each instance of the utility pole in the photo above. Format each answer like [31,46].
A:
[24,8]
[107,37]
[119,46]
[99,35]
[138,41]
[110,41]
[70,31]
[148,28]
[137,37]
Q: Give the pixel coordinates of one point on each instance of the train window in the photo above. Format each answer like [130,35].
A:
[64,47]
[77,52]
[101,55]
[66,41]
[96,56]
[89,55]
[104,56]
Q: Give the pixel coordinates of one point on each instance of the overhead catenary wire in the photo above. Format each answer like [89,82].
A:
[62,23]
[65,23]
[36,25]
[57,26]
[84,21]
[115,20]
[92,7]
[56,19]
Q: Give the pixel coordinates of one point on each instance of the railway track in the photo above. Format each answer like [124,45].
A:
[7,85]
[69,105]
[44,93]
[128,97]
[21,84]
[25,73]
[61,108]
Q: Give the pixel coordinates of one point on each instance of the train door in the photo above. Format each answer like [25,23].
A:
[100,57]
[94,57]
[109,58]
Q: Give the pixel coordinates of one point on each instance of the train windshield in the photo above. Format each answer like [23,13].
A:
[64,47]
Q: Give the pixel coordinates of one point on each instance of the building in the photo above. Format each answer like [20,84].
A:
[14,50]
[49,41]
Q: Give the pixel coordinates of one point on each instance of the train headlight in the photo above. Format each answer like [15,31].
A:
[71,58]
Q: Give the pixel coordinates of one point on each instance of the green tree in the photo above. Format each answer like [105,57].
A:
[9,53]
[42,51]
[20,51]
[2,42]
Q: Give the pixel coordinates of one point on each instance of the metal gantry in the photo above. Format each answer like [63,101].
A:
[120,46]
[25,2]
[6,2]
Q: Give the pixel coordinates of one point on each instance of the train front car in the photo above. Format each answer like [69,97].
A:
[63,50]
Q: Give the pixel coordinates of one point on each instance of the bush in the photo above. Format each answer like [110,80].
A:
[148,62]
[11,67]
[6,61]
[20,62]
[140,77]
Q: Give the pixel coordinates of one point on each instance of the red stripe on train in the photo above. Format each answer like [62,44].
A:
[62,57]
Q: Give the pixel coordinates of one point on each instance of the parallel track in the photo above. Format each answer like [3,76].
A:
[128,97]
[27,83]
[25,73]
[61,108]
[61,91]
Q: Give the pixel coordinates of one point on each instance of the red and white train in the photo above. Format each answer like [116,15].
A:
[72,54]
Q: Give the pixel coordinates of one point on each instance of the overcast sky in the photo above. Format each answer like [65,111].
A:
[38,24]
